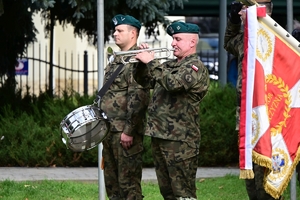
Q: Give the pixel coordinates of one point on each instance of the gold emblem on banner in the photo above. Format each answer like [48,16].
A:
[279,164]
[264,45]
[273,102]
[255,128]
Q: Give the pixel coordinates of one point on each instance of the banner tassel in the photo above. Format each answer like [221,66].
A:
[246,174]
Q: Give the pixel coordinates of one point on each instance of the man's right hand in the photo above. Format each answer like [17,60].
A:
[145,56]
[234,12]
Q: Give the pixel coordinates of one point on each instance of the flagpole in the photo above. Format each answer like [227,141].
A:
[100,55]
[289,5]
[222,68]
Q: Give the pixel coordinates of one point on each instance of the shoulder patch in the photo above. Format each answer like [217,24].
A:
[188,77]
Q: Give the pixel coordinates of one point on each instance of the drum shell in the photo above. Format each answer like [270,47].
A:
[84,128]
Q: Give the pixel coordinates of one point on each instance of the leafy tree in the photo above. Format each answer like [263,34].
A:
[17,29]
[16,32]
[82,14]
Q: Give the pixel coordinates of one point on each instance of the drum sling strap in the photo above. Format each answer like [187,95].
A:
[106,85]
[103,90]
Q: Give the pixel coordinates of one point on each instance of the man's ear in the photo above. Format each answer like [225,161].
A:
[133,33]
[193,42]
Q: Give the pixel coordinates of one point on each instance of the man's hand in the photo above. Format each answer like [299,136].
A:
[296,34]
[234,12]
[145,56]
[126,141]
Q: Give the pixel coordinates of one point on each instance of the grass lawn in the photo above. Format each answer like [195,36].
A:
[226,188]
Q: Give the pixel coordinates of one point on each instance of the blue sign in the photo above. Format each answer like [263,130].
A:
[22,67]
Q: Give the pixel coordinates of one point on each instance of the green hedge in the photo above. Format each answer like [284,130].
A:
[32,133]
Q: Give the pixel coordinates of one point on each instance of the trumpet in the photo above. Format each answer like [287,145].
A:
[126,54]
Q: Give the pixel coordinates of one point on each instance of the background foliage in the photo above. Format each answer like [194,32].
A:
[32,133]
[17,29]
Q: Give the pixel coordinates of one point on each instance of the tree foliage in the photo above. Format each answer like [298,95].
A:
[82,14]
[17,29]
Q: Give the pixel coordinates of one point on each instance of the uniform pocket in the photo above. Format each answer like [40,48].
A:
[136,148]
[178,150]
[185,154]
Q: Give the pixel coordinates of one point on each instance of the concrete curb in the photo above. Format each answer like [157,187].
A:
[91,173]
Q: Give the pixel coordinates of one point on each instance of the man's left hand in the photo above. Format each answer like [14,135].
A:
[126,141]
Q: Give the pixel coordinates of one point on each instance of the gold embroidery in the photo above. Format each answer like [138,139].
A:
[272,79]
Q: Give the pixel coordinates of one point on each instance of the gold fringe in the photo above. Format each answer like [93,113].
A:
[267,162]
[246,174]
[277,192]
[262,160]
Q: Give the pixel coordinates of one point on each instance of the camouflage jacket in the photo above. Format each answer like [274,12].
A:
[234,44]
[178,88]
[125,102]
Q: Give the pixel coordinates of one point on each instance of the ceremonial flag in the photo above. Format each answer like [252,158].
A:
[270,101]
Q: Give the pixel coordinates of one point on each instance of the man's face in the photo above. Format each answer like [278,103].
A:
[182,44]
[243,13]
[122,35]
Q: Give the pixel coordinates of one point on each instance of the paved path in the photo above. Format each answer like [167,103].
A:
[90,173]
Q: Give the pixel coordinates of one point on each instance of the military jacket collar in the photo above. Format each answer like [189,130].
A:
[175,62]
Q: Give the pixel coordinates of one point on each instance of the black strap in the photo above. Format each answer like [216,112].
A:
[106,85]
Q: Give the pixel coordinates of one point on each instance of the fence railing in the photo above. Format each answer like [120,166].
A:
[77,72]
[73,71]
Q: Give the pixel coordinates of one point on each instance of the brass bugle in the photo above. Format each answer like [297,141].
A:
[131,53]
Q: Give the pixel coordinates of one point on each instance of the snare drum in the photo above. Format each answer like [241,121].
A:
[84,128]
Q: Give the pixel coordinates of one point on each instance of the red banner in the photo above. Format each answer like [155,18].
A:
[270,106]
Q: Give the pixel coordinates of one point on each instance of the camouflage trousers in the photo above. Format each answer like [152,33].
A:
[176,166]
[122,168]
[254,187]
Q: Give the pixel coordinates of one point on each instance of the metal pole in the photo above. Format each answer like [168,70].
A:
[85,73]
[222,68]
[289,5]
[293,187]
[100,42]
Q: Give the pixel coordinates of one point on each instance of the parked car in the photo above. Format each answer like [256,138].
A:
[208,51]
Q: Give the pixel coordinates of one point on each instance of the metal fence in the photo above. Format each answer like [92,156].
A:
[71,71]
[76,72]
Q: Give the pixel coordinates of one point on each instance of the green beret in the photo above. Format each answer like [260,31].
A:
[181,27]
[125,19]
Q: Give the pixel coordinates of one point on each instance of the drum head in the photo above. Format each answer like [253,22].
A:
[84,128]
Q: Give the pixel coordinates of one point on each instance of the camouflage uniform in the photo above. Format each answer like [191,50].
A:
[173,121]
[234,44]
[125,103]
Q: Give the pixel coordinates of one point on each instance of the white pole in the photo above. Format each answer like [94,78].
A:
[100,43]
[222,68]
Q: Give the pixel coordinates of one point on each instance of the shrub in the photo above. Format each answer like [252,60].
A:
[218,144]
[32,131]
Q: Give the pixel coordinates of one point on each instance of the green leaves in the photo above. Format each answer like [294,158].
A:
[218,144]
[43,4]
